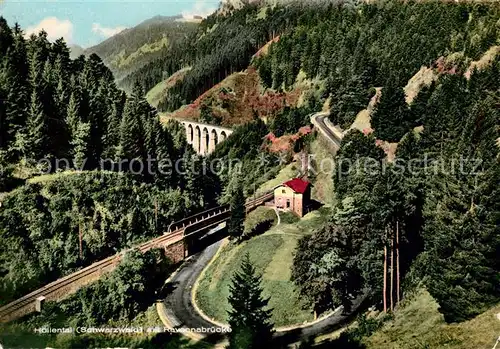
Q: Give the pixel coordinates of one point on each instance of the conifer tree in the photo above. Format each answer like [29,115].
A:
[100,111]
[80,142]
[187,176]
[16,98]
[237,205]
[131,132]
[392,118]
[4,127]
[250,317]
[5,171]
[113,127]
[419,107]
[348,101]
[56,132]
[73,114]
[159,149]
[5,36]
[36,126]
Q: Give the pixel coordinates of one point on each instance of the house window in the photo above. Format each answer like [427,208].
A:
[283,191]
[287,203]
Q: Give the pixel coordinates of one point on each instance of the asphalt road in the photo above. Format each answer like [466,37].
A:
[320,121]
[180,310]
[182,314]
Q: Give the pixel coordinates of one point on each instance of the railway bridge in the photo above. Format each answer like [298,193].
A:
[181,239]
[205,137]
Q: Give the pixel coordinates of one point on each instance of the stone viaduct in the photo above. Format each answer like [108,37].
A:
[205,137]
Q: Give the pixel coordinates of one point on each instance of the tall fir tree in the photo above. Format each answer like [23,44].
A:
[73,114]
[5,36]
[392,118]
[4,125]
[80,143]
[113,127]
[16,86]
[99,114]
[250,316]
[57,129]
[132,133]
[36,130]
[237,206]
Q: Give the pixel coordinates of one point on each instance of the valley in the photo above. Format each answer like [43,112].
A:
[275,174]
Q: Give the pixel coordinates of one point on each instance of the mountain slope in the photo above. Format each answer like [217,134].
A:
[132,48]
[418,324]
[75,51]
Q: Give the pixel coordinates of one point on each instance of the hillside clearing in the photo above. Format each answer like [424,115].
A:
[155,95]
[238,99]
[418,324]
[272,254]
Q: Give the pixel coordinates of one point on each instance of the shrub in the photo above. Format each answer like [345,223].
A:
[259,221]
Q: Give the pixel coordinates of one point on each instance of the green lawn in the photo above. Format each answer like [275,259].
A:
[417,324]
[272,255]
[323,161]
[156,93]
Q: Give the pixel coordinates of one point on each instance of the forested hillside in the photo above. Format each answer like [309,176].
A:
[98,194]
[394,227]
[224,44]
[350,48]
[429,226]
[415,199]
[439,228]
[132,48]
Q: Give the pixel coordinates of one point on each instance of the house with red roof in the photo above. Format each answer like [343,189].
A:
[293,196]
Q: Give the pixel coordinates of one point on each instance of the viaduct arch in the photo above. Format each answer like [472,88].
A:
[204,137]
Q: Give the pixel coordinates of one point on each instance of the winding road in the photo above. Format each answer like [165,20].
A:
[320,120]
[180,312]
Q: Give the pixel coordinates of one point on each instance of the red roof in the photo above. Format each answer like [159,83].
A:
[298,185]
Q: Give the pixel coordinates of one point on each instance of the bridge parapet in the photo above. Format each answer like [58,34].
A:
[188,221]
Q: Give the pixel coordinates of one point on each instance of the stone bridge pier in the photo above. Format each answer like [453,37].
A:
[204,137]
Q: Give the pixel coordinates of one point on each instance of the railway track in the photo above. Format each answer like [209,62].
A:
[52,291]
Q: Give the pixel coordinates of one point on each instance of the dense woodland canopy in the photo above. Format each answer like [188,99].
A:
[223,44]
[121,297]
[440,227]
[443,224]
[352,47]
[56,108]
[70,114]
